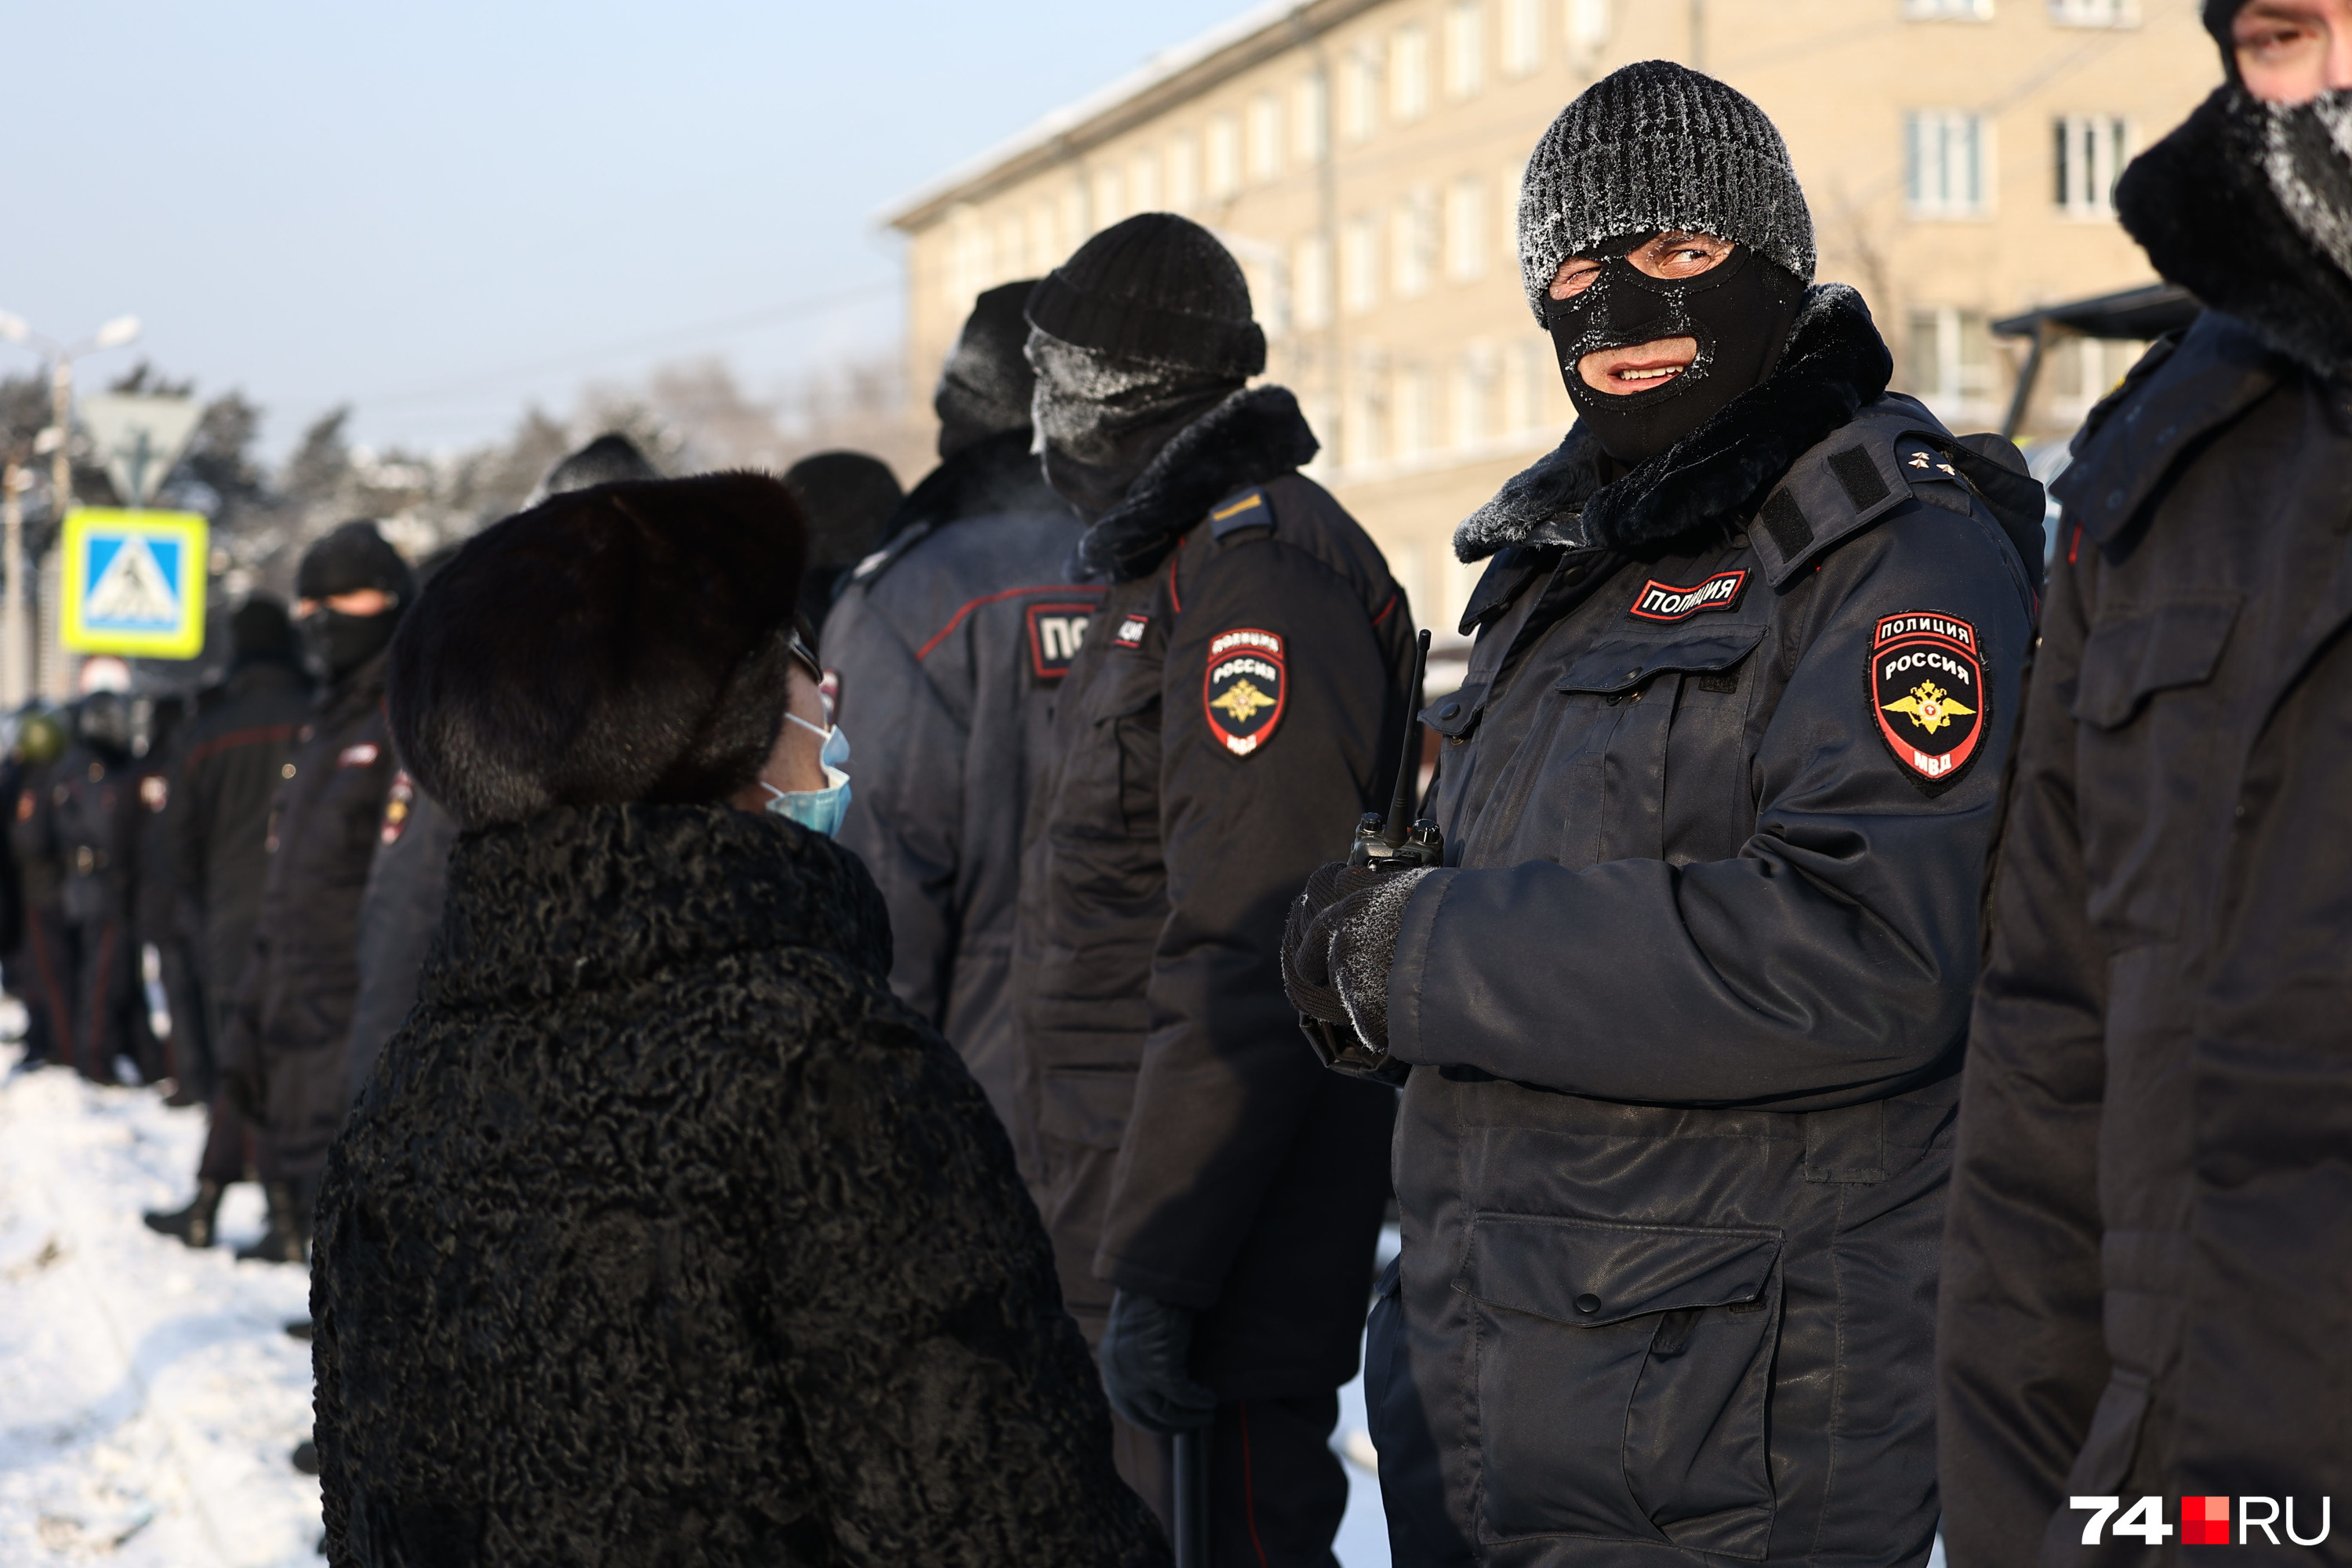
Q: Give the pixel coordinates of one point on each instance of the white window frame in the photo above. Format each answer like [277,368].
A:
[1589,26]
[1310,283]
[1184,173]
[2088,153]
[1143,180]
[1310,117]
[1107,198]
[1361,82]
[1465,229]
[1523,37]
[1466,50]
[1413,242]
[1409,73]
[1947,10]
[1265,130]
[1950,162]
[1359,264]
[1958,388]
[1220,174]
[2094,13]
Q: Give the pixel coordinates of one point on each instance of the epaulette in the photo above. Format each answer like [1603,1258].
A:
[1252,507]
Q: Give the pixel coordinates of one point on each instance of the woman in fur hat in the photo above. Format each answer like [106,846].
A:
[662,1232]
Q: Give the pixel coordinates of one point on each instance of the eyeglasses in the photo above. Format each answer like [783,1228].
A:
[800,651]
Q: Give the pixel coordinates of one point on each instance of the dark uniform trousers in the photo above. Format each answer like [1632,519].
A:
[1685,1006]
[2149,1259]
[1237,705]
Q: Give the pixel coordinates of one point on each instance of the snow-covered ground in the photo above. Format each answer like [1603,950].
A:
[148,1395]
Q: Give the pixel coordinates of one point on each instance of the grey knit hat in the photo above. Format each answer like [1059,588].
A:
[1656,146]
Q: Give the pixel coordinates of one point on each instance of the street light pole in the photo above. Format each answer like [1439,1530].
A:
[19,671]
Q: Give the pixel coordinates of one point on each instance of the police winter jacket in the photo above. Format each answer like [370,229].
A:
[232,763]
[1688,998]
[398,915]
[663,1233]
[96,820]
[1237,704]
[289,1025]
[949,644]
[2151,1250]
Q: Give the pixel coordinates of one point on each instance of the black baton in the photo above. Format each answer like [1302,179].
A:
[1192,1498]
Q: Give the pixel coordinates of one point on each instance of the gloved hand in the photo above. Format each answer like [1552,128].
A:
[1335,963]
[1144,1356]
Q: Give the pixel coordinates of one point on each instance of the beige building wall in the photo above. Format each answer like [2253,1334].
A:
[1362,157]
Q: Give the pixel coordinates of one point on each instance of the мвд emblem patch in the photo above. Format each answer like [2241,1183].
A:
[1243,693]
[1928,693]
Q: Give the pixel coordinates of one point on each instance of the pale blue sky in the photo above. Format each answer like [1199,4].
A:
[439,211]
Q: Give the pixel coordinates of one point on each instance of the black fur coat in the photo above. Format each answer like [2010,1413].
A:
[664,1235]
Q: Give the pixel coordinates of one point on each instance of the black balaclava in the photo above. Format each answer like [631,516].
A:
[986,385]
[1740,310]
[1141,332]
[353,558]
[103,724]
[2248,205]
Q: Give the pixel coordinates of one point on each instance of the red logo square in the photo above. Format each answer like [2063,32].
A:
[2204,1521]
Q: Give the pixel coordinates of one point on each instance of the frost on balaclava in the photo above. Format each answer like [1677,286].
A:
[1101,418]
[2306,156]
[1653,147]
[985,385]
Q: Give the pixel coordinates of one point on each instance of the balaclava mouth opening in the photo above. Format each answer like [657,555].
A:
[1738,311]
[1650,149]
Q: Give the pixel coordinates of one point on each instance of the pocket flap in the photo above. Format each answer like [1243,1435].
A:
[1119,692]
[1625,659]
[1590,1272]
[1454,713]
[2126,659]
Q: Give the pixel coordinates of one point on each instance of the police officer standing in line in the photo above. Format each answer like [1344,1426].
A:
[287,1047]
[954,636]
[40,969]
[1685,1004]
[232,764]
[96,822]
[1213,1197]
[2150,1248]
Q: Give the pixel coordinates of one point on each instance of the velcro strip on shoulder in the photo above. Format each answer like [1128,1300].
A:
[1858,477]
[1785,522]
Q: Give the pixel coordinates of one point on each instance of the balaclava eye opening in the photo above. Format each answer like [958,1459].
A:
[1738,313]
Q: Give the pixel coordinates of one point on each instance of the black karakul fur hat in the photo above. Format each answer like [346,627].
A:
[628,642]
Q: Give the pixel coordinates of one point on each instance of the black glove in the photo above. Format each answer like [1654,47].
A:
[1144,1353]
[1306,948]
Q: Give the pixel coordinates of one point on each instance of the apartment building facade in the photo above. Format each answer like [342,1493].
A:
[1363,158]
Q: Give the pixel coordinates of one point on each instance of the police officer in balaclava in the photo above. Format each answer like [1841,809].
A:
[285,1054]
[96,821]
[1679,1018]
[2148,1257]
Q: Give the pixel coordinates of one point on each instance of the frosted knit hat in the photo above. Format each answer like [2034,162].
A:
[1658,146]
[1157,288]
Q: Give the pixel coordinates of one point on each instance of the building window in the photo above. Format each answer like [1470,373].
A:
[1588,29]
[1109,199]
[1414,242]
[1360,95]
[1947,10]
[2086,370]
[1045,240]
[1947,159]
[1415,418]
[1143,182]
[2091,153]
[1310,283]
[1465,230]
[1466,49]
[1950,362]
[1310,108]
[1264,136]
[1409,74]
[2094,13]
[1367,430]
[1473,396]
[1359,264]
[1073,221]
[1224,160]
[1011,246]
[1509,181]
[1184,174]
[1523,41]
[1528,393]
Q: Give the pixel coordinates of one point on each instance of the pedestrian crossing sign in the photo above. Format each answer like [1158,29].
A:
[134,583]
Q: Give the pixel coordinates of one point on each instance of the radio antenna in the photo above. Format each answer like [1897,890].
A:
[1409,755]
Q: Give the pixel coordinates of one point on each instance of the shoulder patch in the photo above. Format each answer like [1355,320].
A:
[1131,628]
[1243,691]
[1666,602]
[1248,510]
[1927,694]
[1056,632]
[399,805]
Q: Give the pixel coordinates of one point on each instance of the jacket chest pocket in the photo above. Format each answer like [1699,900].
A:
[1650,739]
[1622,1378]
[2149,717]
[1111,777]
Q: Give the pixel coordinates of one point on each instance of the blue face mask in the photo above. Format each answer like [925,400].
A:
[818,810]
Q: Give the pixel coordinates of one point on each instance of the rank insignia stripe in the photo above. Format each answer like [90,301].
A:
[1244,688]
[1130,631]
[1927,695]
[1056,632]
[1666,602]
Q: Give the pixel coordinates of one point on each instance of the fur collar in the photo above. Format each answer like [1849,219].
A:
[1251,437]
[995,474]
[583,899]
[1834,363]
[2199,205]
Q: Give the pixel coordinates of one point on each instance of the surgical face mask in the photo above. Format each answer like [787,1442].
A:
[818,810]
[1739,312]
